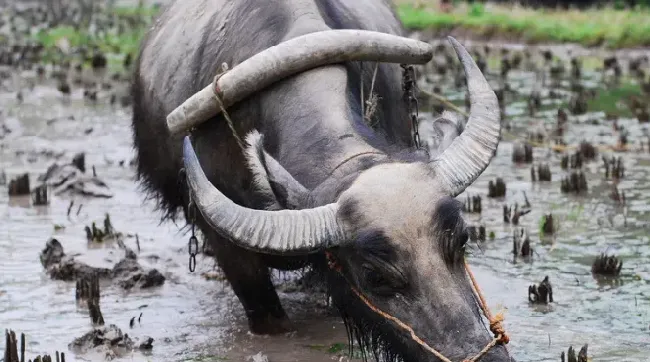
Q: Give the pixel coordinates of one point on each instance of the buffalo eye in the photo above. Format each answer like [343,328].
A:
[463,238]
[379,272]
[460,245]
[383,283]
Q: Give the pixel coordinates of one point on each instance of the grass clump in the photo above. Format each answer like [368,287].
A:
[609,100]
[611,27]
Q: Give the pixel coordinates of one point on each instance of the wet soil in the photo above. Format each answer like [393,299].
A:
[187,316]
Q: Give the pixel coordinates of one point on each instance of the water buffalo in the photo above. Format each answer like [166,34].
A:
[311,183]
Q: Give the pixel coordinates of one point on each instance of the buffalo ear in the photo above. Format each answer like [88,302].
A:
[271,178]
[444,130]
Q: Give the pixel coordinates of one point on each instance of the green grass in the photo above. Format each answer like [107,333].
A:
[609,27]
[115,43]
[609,100]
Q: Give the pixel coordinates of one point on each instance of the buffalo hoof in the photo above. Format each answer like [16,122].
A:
[270,325]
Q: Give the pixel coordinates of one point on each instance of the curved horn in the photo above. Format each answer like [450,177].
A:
[272,232]
[273,179]
[471,152]
[290,57]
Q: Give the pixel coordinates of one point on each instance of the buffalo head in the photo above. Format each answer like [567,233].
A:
[396,234]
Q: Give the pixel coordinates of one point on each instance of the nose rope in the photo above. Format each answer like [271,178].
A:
[495,322]
[496,327]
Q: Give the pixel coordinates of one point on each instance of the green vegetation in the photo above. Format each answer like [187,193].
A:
[611,101]
[609,27]
[118,34]
[540,226]
[119,30]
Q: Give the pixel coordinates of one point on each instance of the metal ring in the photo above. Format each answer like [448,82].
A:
[193,242]
[192,263]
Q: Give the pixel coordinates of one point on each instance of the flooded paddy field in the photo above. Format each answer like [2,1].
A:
[196,317]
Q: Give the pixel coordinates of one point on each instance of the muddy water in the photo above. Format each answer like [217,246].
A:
[613,318]
[193,318]
[188,316]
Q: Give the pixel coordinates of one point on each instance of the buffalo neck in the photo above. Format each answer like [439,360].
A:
[316,133]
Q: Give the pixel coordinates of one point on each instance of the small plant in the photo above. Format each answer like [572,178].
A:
[547,225]
[606,265]
[578,104]
[614,168]
[39,195]
[473,204]
[573,161]
[476,10]
[543,173]
[19,186]
[95,234]
[521,244]
[522,153]
[582,355]
[497,188]
[512,214]
[587,150]
[11,349]
[575,183]
[542,293]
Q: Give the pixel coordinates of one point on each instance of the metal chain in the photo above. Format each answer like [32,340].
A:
[409,87]
[193,243]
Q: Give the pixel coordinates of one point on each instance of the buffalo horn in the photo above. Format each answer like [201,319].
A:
[273,232]
[290,57]
[271,177]
[471,152]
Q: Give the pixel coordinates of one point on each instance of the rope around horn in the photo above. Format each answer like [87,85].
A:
[500,336]
[217,97]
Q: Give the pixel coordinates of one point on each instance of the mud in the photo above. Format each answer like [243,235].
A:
[155,309]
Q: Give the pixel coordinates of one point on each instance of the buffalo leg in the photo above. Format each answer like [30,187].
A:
[250,279]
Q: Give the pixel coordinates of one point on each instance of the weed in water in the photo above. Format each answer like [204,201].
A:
[497,188]
[607,265]
[609,100]
[512,214]
[576,183]
[546,225]
[582,355]
[522,153]
[543,173]
[542,293]
[521,244]
[473,204]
